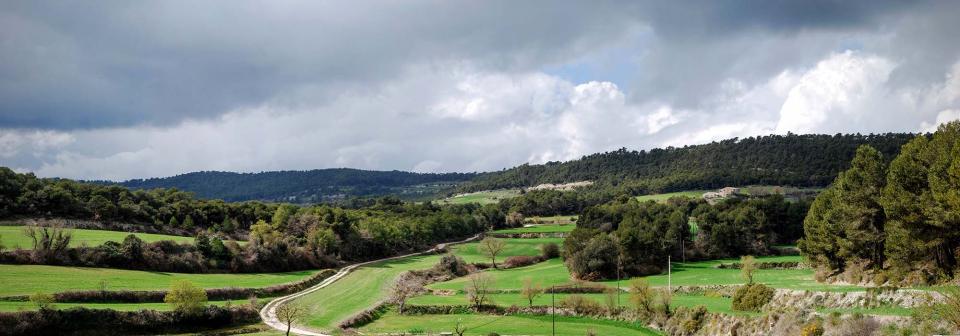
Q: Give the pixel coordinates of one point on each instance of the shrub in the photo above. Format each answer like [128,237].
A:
[813,328]
[549,250]
[42,301]
[85,321]
[452,265]
[752,297]
[185,297]
[520,261]
[581,305]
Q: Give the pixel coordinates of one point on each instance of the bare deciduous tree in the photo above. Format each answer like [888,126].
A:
[289,314]
[478,288]
[48,241]
[459,329]
[491,247]
[748,265]
[530,290]
[406,286]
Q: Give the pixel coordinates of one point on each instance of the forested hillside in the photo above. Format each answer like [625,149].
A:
[310,186]
[797,160]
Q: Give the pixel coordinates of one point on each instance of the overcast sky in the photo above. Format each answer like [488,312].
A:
[130,89]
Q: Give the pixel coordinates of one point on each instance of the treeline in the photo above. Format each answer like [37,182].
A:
[295,238]
[899,221]
[796,160]
[281,237]
[166,210]
[310,186]
[637,237]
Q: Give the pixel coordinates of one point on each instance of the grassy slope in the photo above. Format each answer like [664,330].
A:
[9,306]
[713,304]
[548,273]
[367,285]
[509,325]
[12,237]
[666,196]
[482,197]
[546,228]
[29,279]
[706,273]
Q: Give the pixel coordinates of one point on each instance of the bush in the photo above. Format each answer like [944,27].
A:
[42,301]
[752,297]
[520,261]
[185,297]
[549,251]
[84,321]
[582,305]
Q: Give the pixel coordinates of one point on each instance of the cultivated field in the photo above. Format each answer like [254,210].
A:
[479,324]
[482,197]
[666,196]
[546,228]
[13,237]
[30,279]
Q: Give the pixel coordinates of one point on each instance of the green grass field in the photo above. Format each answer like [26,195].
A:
[29,279]
[13,237]
[706,273]
[482,197]
[545,228]
[367,285]
[515,247]
[666,196]
[478,324]
[9,306]
[560,219]
[713,304]
[548,273]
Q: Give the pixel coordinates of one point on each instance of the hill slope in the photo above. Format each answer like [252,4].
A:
[304,186]
[798,160]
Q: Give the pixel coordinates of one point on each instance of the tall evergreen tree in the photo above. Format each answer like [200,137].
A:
[905,200]
[944,180]
[822,230]
[859,189]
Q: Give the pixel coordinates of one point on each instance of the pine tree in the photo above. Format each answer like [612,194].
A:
[188,222]
[859,190]
[944,180]
[173,222]
[821,231]
[905,200]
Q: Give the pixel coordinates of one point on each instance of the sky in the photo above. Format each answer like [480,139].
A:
[133,89]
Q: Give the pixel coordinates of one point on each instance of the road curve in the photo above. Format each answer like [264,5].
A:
[269,312]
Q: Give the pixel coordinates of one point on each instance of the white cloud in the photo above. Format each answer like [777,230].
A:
[830,96]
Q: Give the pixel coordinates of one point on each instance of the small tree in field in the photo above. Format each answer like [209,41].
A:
[478,289]
[748,265]
[491,247]
[42,301]
[185,297]
[290,314]
[405,287]
[531,291]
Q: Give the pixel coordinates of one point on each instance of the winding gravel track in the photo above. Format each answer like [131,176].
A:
[269,312]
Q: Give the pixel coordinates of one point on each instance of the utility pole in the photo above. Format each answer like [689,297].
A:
[553,311]
[669,279]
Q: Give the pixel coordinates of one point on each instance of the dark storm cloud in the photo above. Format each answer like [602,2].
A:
[94,64]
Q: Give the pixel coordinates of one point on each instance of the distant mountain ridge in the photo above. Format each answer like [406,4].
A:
[310,186]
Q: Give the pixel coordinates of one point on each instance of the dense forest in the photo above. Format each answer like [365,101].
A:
[311,186]
[898,221]
[280,236]
[637,237]
[796,160]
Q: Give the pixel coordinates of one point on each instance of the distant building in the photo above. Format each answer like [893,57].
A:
[714,196]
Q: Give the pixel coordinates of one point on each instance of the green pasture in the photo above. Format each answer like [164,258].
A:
[482,197]
[11,306]
[30,279]
[715,304]
[666,196]
[367,285]
[13,237]
[548,273]
[560,219]
[543,228]
[479,324]
[515,247]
